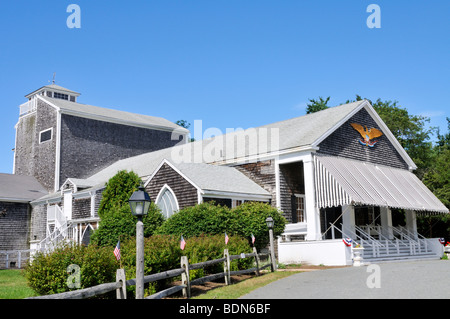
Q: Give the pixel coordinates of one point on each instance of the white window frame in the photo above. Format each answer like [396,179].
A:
[160,194]
[51,135]
[304,206]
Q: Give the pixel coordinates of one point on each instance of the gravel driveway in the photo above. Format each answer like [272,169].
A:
[395,280]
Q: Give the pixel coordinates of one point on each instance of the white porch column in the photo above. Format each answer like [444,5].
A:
[411,222]
[68,204]
[348,220]
[386,222]
[312,212]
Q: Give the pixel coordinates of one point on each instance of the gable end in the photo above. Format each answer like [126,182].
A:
[345,142]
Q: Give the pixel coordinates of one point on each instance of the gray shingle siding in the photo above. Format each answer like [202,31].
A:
[263,174]
[14,225]
[344,142]
[34,158]
[87,145]
[185,192]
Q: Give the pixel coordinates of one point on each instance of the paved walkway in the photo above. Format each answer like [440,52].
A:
[399,280]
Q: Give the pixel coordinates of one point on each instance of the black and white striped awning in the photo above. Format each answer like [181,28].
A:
[340,181]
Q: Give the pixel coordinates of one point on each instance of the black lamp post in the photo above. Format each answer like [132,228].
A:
[270,223]
[139,204]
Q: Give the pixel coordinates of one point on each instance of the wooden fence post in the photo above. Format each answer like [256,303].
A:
[121,293]
[227,267]
[256,261]
[185,277]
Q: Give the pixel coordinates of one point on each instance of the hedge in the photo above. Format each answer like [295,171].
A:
[207,218]
[47,273]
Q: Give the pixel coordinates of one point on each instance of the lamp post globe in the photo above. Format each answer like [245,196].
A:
[140,202]
[269,222]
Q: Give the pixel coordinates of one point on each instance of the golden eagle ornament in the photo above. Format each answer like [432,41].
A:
[367,134]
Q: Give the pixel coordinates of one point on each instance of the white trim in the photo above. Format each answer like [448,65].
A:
[93,196]
[58,149]
[277,184]
[115,120]
[305,220]
[199,197]
[15,146]
[236,196]
[267,156]
[120,121]
[51,135]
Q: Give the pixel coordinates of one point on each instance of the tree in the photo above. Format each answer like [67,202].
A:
[437,176]
[117,191]
[186,125]
[317,105]
[116,219]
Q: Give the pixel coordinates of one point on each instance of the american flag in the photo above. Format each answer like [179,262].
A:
[226,239]
[117,251]
[182,243]
[253,239]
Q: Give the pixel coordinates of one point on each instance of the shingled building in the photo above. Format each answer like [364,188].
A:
[335,174]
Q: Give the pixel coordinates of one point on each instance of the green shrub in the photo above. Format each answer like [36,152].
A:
[117,191]
[116,219]
[252,219]
[163,252]
[204,218]
[120,222]
[47,274]
[207,218]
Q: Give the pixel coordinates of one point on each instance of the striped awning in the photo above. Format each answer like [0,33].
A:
[340,181]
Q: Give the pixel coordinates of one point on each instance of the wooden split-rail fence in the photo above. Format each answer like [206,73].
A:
[121,283]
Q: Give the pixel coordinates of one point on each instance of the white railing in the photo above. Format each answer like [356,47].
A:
[403,241]
[11,262]
[28,107]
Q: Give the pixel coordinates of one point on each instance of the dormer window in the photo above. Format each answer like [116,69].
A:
[61,96]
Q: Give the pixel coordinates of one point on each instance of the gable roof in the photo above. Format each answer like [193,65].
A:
[111,115]
[20,188]
[214,179]
[296,134]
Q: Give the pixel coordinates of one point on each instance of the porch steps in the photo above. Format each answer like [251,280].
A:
[386,259]
[397,251]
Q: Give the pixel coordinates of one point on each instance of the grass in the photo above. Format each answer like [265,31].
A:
[242,288]
[13,285]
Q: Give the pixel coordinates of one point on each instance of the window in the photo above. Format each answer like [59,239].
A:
[46,135]
[167,201]
[300,208]
[61,96]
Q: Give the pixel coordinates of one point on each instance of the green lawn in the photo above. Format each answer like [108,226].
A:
[13,285]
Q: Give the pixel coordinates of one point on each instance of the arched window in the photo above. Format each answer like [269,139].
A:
[167,201]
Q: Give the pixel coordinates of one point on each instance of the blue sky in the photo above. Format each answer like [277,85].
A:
[228,63]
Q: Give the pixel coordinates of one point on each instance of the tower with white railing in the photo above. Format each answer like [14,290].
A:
[36,146]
